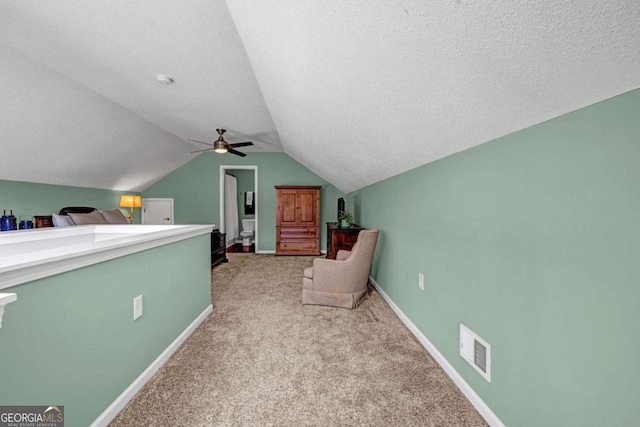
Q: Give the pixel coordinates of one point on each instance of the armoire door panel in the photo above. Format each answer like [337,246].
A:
[288,206]
[307,208]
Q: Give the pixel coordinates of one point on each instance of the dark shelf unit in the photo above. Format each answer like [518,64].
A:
[218,248]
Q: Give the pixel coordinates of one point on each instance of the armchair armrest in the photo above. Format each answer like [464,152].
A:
[342,255]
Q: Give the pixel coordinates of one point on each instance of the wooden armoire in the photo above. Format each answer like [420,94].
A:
[297,220]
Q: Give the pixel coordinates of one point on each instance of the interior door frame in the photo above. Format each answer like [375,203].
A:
[223,170]
[164,199]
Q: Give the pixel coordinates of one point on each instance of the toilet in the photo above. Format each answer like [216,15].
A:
[248,227]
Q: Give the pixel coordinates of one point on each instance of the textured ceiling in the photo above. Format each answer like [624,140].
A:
[82,75]
[362,90]
[355,90]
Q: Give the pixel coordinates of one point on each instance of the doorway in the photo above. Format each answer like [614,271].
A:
[244,202]
[157,211]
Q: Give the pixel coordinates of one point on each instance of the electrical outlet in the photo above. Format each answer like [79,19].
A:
[137,307]
[421,281]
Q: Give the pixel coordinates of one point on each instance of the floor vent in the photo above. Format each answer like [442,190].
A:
[476,351]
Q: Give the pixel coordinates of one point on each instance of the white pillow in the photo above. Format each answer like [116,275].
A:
[61,220]
[87,218]
[114,216]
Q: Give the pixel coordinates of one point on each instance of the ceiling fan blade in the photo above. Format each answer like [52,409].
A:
[237,153]
[200,142]
[240,144]
[200,151]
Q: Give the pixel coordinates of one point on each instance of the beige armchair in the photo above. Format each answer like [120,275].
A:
[341,282]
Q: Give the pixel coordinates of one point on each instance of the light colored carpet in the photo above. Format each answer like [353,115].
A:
[261,358]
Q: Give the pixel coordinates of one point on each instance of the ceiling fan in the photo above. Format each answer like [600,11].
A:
[222,146]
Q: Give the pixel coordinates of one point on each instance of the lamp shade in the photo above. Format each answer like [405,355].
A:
[130,201]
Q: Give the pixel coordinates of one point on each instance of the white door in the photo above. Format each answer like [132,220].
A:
[157,211]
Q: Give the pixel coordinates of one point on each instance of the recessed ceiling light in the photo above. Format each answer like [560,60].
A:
[164,80]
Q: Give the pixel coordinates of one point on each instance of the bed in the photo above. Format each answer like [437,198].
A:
[86,215]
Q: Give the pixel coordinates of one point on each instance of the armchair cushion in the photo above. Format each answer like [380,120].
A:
[308,272]
[341,282]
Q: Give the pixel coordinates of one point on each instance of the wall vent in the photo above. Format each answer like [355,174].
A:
[476,351]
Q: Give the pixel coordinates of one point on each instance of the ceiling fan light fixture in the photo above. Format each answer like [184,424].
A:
[220,147]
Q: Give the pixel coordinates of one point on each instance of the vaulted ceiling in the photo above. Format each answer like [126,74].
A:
[356,90]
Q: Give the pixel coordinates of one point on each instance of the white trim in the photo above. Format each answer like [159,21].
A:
[265,252]
[490,417]
[223,168]
[121,401]
[4,300]
[39,264]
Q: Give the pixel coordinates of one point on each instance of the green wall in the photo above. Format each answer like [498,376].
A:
[531,240]
[70,339]
[28,198]
[195,189]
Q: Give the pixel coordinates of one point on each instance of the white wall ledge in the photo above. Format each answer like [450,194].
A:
[28,255]
[4,300]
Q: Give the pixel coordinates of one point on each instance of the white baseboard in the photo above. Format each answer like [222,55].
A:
[484,410]
[110,413]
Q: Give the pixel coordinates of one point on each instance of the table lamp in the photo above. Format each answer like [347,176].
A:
[130,201]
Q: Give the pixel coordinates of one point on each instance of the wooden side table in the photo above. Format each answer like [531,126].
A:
[341,238]
[43,221]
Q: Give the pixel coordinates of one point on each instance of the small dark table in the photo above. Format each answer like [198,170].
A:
[339,238]
[218,247]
